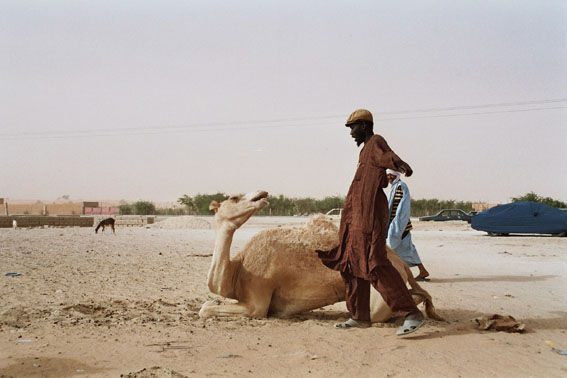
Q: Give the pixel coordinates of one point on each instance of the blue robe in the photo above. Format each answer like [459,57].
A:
[403,247]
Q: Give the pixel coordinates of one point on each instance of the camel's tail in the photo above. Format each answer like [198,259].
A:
[421,292]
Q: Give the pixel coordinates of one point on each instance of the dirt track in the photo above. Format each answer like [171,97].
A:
[105,305]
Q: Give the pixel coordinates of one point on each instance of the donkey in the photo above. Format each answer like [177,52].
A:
[105,222]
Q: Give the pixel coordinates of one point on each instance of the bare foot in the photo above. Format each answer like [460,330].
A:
[423,273]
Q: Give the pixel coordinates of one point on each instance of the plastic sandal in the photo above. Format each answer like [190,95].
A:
[351,323]
[412,323]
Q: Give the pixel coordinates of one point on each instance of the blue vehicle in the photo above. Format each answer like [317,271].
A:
[521,218]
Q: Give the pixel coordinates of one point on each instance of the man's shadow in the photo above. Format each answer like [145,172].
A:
[461,322]
[457,322]
[530,278]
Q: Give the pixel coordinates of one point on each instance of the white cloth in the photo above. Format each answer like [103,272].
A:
[403,247]
[395,173]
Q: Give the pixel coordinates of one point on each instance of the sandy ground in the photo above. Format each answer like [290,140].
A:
[105,305]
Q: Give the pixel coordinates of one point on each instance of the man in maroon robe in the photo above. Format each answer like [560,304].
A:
[361,255]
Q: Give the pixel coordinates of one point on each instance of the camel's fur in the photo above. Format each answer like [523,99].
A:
[278,272]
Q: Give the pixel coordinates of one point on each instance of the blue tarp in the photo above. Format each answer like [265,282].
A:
[521,217]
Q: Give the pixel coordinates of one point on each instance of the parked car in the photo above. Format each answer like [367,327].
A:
[447,215]
[334,214]
[521,218]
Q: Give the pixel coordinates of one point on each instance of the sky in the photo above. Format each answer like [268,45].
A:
[152,100]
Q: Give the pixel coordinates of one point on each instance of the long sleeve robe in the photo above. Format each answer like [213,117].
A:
[364,222]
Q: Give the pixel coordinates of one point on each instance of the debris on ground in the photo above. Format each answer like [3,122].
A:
[154,372]
[499,322]
[554,348]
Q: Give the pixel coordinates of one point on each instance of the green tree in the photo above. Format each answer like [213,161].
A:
[279,205]
[201,202]
[533,197]
[126,209]
[329,203]
[304,206]
[187,201]
[144,208]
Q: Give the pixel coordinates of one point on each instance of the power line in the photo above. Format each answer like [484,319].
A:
[222,126]
[292,119]
[474,113]
[467,107]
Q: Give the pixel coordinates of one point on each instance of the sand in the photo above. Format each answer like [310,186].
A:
[105,305]
[182,222]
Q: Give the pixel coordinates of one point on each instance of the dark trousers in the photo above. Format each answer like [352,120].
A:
[387,280]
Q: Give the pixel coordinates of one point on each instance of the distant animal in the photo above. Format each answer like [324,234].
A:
[14,224]
[105,222]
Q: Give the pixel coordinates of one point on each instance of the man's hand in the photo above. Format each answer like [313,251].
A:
[405,169]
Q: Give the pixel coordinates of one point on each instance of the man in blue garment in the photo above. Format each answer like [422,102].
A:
[399,235]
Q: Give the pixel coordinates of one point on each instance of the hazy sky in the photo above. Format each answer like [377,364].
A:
[156,99]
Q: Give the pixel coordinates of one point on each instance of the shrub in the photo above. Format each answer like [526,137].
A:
[533,197]
[144,208]
[126,209]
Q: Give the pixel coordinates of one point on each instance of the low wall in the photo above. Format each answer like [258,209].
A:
[31,209]
[73,221]
[39,221]
[41,209]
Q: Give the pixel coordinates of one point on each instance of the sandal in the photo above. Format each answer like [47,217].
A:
[412,323]
[352,323]
[422,279]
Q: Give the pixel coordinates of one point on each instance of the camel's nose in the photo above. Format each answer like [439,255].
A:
[259,195]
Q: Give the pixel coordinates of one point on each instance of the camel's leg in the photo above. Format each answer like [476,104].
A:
[255,305]
[213,308]
[112,225]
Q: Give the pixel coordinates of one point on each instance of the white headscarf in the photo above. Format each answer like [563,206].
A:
[395,173]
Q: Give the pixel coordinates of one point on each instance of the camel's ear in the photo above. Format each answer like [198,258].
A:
[214,205]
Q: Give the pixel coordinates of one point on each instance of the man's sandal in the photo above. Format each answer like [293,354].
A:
[351,323]
[412,323]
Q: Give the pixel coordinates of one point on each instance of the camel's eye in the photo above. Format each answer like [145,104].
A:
[234,198]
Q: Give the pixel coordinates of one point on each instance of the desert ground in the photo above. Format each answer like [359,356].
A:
[104,305]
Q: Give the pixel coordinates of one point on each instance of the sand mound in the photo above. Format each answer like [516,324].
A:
[17,317]
[20,316]
[154,372]
[182,222]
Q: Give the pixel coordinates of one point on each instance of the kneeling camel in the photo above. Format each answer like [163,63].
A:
[278,273]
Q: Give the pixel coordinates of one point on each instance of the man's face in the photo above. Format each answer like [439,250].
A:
[391,178]
[358,133]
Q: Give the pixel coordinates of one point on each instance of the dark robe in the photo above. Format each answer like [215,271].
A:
[364,221]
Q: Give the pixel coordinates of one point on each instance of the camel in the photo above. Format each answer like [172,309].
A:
[278,273]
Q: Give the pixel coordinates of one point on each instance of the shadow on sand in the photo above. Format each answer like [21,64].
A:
[460,322]
[492,279]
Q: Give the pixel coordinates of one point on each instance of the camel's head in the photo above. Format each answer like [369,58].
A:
[238,209]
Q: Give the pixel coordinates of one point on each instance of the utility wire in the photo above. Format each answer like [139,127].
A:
[474,113]
[467,107]
[222,126]
[291,119]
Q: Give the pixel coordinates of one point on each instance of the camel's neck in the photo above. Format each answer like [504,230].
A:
[221,273]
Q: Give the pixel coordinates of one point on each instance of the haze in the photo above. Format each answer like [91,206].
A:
[153,100]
